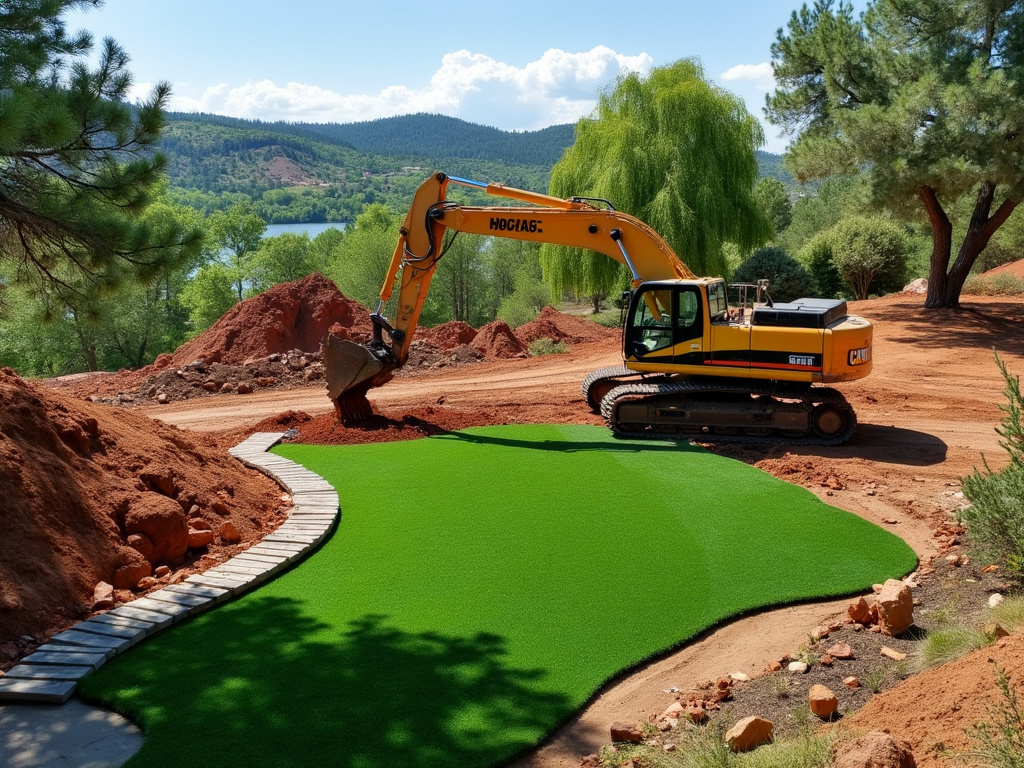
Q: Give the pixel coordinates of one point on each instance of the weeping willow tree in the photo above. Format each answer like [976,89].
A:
[675,151]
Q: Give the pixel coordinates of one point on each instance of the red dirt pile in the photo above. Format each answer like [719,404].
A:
[289,316]
[559,327]
[1013,269]
[935,710]
[496,340]
[97,494]
[448,335]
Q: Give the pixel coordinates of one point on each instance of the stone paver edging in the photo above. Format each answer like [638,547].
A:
[51,673]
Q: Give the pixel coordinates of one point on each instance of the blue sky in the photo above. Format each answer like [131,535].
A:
[513,65]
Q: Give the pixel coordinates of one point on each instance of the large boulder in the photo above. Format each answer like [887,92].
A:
[162,521]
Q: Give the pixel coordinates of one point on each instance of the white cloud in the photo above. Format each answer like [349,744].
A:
[758,75]
[559,87]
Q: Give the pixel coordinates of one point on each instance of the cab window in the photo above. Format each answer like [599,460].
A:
[718,302]
[652,321]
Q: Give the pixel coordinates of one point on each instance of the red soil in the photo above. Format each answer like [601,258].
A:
[936,710]
[289,316]
[71,472]
[1014,269]
[496,340]
[447,335]
[556,326]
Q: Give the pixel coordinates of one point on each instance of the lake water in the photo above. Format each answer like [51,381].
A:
[273,230]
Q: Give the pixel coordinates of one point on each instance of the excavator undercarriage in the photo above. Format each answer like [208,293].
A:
[719,410]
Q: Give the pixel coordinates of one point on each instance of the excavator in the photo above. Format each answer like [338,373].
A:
[694,366]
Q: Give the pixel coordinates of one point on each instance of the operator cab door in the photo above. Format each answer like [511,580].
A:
[665,325]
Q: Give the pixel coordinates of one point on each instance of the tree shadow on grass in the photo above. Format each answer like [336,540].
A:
[261,683]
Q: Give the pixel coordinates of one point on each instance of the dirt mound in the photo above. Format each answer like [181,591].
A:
[496,340]
[1014,269]
[75,477]
[409,424]
[554,325]
[447,335]
[935,710]
[289,316]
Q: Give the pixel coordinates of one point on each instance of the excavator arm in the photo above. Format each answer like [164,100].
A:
[353,369]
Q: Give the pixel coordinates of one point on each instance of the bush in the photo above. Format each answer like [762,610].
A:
[995,519]
[789,278]
[817,256]
[999,739]
[993,285]
[546,346]
[870,253]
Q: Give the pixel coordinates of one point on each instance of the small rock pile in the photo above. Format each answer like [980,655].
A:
[202,379]
[888,610]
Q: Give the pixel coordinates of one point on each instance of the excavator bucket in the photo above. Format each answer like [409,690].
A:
[352,370]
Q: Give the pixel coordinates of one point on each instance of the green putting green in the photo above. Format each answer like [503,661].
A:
[480,587]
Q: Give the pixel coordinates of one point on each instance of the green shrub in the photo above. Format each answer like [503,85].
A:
[999,739]
[789,278]
[995,519]
[817,256]
[993,285]
[870,253]
[546,346]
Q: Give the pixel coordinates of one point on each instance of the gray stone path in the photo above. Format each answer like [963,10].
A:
[52,672]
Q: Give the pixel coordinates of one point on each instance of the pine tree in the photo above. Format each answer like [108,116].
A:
[78,165]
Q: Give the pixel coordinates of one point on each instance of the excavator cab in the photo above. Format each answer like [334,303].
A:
[665,320]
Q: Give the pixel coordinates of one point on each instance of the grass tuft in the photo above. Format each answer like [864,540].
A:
[949,644]
[1009,613]
[546,346]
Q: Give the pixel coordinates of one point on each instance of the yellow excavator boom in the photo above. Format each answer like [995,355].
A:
[352,369]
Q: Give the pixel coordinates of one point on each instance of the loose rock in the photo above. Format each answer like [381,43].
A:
[103,597]
[228,533]
[823,701]
[748,733]
[841,651]
[626,732]
[890,653]
[798,667]
[895,608]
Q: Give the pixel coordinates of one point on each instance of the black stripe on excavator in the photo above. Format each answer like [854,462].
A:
[762,359]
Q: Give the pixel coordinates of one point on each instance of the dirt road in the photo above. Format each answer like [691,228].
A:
[926,416]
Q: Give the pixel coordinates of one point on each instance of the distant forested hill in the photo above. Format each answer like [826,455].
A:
[420,135]
[310,172]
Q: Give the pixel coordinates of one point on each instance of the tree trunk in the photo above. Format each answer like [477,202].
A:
[942,244]
[944,287]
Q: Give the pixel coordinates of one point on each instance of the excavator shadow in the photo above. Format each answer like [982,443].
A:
[874,442]
[577,446]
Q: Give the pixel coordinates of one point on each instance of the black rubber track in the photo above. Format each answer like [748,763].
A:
[609,372]
[814,395]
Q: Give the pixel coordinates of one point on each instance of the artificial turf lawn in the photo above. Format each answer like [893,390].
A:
[479,588]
